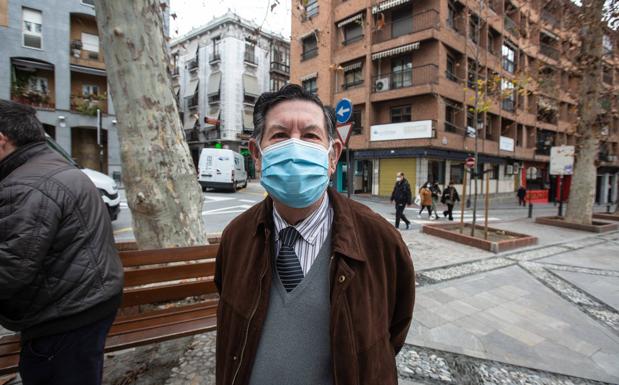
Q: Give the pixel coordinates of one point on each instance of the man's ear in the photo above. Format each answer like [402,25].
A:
[255,153]
[336,151]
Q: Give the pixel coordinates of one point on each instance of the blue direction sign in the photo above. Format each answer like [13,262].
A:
[343,111]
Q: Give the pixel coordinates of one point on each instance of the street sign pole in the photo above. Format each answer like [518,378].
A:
[99,144]
[348,172]
[560,195]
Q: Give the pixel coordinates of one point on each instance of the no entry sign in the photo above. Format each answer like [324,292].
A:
[470,162]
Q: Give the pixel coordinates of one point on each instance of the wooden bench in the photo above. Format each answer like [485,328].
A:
[153,278]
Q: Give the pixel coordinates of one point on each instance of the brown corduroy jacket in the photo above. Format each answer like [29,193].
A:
[372,288]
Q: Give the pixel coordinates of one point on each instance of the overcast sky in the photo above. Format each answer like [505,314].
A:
[195,13]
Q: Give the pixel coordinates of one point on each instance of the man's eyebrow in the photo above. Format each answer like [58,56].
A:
[312,127]
[277,127]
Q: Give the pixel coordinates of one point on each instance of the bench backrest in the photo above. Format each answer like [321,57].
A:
[153,276]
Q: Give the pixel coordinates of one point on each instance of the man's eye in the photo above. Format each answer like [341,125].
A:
[279,135]
[311,136]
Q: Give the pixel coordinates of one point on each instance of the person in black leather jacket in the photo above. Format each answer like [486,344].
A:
[402,196]
[60,276]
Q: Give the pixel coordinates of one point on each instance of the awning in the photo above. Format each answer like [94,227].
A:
[352,66]
[33,64]
[248,120]
[213,115]
[309,33]
[350,20]
[214,82]
[395,51]
[88,70]
[192,88]
[550,34]
[250,84]
[309,76]
[387,4]
[190,122]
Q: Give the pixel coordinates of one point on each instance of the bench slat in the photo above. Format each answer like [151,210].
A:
[10,348]
[169,273]
[120,318]
[8,364]
[162,293]
[152,257]
[165,333]
[170,319]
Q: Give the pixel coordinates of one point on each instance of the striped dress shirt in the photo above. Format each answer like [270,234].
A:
[313,229]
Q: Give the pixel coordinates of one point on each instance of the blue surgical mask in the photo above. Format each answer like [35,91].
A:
[295,172]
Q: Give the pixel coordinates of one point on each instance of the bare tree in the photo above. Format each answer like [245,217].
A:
[162,189]
[582,191]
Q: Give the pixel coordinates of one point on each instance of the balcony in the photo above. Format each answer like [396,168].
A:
[192,64]
[215,58]
[511,27]
[415,23]
[549,51]
[310,53]
[451,127]
[89,104]
[32,82]
[250,58]
[416,76]
[353,84]
[280,67]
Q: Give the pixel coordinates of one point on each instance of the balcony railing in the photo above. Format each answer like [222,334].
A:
[281,67]
[353,39]
[510,26]
[450,127]
[193,64]
[549,51]
[88,105]
[550,18]
[310,53]
[416,76]
[415,23]
[311,10]
[32,98]
[352,84]
[215,57]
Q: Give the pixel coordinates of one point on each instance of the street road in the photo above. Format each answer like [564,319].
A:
[221,207]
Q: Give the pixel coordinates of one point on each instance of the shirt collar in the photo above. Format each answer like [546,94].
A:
[307,227]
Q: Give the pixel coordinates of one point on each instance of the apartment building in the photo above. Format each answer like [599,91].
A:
[219,70]
[410,67]
[52,59]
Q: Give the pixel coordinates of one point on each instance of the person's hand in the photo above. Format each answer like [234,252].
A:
[391,201]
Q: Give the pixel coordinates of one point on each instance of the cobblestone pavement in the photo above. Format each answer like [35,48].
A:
[547,315]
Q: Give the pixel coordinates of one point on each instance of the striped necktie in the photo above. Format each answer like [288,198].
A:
[288,266]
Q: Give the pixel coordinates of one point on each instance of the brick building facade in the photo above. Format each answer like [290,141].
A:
[408,68]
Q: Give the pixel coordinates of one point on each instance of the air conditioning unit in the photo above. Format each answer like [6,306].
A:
[382,84]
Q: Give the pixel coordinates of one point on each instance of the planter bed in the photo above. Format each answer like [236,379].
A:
[606,216]
[594,227]
[498,240]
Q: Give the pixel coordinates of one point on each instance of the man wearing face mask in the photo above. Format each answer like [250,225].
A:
[402,196]
[314,288]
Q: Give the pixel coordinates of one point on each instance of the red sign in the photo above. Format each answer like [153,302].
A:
[343,131]
[470,162]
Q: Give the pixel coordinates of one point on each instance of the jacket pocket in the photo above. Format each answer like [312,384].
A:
[377,364]
[231,330]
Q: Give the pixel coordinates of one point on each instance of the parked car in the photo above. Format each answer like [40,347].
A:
[221,169]
[107,186]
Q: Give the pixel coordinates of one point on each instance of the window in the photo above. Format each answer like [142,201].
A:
[38,84]
[400,114]
[436,171]
[357,120]
[507,95]
[494,174]
[216,50]
[473,28]
[277,83]
[401,22]
[471,130]
[90,89]
[353,32]
[456,171]
[353,76]
[310,85]
[451,109]
[89,2]
[452,14]
[250,52]
[310,47]
[401,72]
[311,8]
[509,58]
[32,29]
[607,45]
[493,38]
[450,72]
[90,42]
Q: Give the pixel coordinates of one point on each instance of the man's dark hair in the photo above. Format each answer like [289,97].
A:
[268,100]
[19,123]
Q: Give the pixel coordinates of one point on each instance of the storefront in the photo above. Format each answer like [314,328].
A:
[536,180]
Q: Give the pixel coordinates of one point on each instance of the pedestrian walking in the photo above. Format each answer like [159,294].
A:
[60,276]
[449,198]
[290,270]
[521,194]
[425,194]
[436,193]
[403,197]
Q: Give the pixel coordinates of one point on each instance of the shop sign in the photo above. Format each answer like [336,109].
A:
[397,131]
[506,144]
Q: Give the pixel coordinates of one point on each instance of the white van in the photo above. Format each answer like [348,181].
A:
[221,169]
[107,186]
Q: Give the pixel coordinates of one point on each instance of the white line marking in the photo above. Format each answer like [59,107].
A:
[247,201]
[216,198]
[226,210]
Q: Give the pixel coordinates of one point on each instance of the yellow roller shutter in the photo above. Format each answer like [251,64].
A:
[388,170]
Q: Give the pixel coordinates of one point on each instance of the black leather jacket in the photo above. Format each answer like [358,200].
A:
[59,268]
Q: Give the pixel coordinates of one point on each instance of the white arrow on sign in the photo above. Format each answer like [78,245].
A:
[342,111]
[343,132]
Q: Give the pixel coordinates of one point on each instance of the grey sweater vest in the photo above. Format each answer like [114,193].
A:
[295,345]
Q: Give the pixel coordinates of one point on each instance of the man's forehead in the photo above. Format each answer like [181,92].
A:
[290,110]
